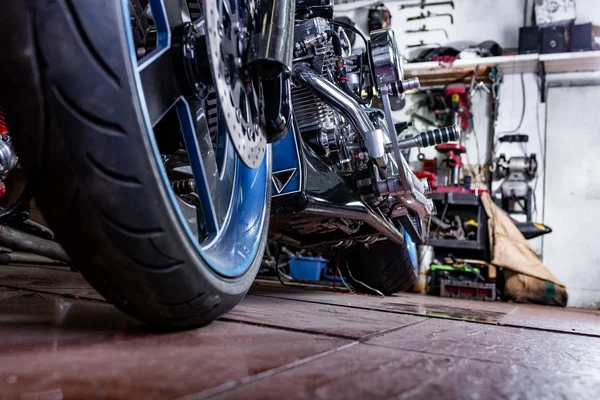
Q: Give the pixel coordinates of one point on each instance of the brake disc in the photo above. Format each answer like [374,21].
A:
[229,26]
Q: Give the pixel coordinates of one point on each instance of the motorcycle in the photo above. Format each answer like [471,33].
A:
[165,141]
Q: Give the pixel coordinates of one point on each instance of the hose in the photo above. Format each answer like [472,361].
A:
[337,43]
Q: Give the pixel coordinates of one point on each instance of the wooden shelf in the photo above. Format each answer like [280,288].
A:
[432,73]
[571,62]
[518,64]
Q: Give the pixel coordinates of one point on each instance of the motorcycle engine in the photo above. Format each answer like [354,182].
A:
[320,47]
[331,94]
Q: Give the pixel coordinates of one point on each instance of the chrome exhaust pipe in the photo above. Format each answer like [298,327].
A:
[356,211]
[348,107]
[335,97]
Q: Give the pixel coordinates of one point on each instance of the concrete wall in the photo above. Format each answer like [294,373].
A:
[570,252]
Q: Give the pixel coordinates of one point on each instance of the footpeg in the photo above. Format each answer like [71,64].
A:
[429,138]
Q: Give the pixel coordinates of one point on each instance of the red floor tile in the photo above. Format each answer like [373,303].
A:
[499,344]
[317,318]
[370,372]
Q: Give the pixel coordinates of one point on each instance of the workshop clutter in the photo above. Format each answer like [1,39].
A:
[555,30]
[514,271]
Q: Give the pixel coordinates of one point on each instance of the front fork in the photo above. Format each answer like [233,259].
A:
[270,56]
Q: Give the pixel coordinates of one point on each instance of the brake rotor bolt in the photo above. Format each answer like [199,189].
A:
[220,29]
[238,115]
[238,62]
[256,129]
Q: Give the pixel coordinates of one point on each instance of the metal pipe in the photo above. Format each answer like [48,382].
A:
[17,240]
[335,97]
[356,211]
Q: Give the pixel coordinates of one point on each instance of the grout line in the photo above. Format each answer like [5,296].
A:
[370,308]
[368,337]
[288,329]
[266,374]
[508,313]
[496,323]
[360,339]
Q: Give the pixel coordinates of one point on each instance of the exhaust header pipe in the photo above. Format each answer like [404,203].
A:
[355,211]
[335,97]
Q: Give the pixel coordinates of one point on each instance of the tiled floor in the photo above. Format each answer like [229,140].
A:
[58,339]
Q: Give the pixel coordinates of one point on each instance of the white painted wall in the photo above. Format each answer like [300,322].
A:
[572,205]
[570,252]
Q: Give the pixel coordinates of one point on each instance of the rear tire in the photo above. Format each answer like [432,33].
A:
[383,266]
[68,90]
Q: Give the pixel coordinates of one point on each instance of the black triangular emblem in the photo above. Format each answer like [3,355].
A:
[280,179]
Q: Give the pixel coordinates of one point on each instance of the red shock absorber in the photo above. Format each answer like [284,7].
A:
[3,127]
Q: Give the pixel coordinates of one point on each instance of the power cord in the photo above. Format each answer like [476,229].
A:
[522,111]
[362,283]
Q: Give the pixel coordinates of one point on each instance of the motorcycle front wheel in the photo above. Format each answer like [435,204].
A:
[174,246]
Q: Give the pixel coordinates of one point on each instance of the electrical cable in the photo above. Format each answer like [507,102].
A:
[335,38]
[353,29]
[359,33]
[350,291]
[335,274]
[337,263]
[362,283]
[522,111]
[279,277]
[539,134]
[541,144]
[278,266]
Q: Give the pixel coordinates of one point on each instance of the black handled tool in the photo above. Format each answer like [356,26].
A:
[423,4]
[431,15]
[423,44]
[424,29]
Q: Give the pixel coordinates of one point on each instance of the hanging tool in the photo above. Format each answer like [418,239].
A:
[423,4]
[422,44]
[475,86]
[431,15]
[495,77]
[424,29]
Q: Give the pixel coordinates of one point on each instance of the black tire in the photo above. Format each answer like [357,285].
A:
[67,88]
[382,266]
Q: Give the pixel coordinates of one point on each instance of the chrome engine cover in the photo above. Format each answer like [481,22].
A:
[387,61]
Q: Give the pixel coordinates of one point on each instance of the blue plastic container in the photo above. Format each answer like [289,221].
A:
[308,268]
